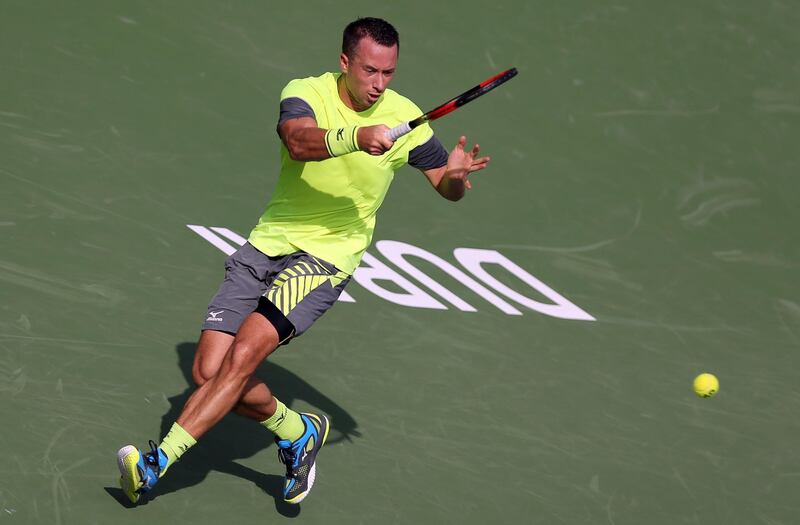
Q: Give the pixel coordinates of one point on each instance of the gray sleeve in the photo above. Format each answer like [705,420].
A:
[294,107]
[428,156]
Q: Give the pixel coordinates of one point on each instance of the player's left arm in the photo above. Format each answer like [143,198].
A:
[451,180]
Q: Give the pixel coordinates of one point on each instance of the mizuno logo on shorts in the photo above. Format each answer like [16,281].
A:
[212,316]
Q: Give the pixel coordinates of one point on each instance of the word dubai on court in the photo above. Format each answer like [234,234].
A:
[374,273]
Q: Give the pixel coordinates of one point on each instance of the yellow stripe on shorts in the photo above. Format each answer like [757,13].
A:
[293,284]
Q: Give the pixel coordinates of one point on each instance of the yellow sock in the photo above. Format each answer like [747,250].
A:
[176,443]
[285,423]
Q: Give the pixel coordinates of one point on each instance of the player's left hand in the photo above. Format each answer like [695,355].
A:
[461,163]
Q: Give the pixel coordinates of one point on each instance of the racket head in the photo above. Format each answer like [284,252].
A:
[467,96]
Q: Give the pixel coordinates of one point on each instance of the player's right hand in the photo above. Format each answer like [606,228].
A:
[373,139]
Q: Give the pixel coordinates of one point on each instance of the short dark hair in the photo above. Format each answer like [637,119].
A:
[377,29]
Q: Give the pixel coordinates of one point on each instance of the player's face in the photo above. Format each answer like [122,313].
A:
[368,72]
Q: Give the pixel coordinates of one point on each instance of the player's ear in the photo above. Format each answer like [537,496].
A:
[344,62]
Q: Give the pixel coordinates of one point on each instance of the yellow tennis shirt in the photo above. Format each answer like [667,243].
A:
[327,208]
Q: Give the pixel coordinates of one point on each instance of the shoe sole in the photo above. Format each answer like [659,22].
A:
[300,497]
[312,475]
[129,480]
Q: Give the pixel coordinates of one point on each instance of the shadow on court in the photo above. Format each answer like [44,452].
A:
[236,437]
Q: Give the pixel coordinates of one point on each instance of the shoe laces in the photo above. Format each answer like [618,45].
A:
[152,458]
[287,456]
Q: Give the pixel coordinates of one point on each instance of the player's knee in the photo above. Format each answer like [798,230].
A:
[200,376]
[246,356]
[204,368]
[211,351]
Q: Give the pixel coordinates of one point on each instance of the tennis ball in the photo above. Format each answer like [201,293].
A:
[706,385]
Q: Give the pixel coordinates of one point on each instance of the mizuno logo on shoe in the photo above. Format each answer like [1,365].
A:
[212,316]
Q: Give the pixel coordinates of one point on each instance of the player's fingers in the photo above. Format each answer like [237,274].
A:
[386,143]
[479,164]
[475,150]
[461,142]
[468,184]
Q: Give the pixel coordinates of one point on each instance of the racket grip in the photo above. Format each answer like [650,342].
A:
[398,131]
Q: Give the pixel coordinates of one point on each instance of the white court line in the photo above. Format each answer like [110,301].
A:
[206,234]
[228,234]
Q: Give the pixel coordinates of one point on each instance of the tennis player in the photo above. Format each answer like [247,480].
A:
[336,166]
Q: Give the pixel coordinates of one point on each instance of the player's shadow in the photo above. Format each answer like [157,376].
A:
[236,437]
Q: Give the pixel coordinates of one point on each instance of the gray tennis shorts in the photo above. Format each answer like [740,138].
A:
[291,291]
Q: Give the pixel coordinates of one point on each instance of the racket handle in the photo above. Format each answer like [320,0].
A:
[398,131]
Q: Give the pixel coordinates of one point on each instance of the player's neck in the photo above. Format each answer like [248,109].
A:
[346,97]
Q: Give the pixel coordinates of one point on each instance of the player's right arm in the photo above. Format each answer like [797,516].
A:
[306,141]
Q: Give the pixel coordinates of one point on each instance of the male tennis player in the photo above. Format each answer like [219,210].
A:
[336,166]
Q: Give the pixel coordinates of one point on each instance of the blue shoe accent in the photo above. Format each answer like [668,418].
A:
[299,457]
[150,466]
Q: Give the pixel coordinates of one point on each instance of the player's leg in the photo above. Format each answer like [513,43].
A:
[256,402]
[256,339]
[246,274]
[301,293]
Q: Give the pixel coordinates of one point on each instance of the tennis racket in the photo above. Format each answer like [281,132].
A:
[452,104]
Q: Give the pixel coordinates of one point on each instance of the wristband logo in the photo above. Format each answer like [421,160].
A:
[373,274]
[340,134]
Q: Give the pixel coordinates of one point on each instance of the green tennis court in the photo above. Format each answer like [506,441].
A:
[644,170]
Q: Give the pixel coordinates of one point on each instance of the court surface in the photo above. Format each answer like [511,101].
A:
[645,166]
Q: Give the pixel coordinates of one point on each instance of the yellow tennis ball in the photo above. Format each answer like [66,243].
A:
[706,385]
